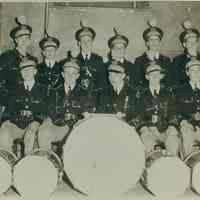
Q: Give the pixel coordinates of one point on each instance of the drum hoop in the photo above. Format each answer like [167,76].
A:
[99,115]
[11,155]
[49,152]
[190,156]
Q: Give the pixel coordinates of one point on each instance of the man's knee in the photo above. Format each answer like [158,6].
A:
[6,140]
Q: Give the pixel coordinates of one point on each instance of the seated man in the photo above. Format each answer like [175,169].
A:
[72,102]
[156,120]
[25,111]
[115,99]
[188,103]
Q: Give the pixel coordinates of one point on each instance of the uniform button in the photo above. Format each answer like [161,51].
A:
[26,106]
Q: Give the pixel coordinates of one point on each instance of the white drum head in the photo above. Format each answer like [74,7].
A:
[168,176]
[5,175]
[196,178]
[35,176]
[104,155]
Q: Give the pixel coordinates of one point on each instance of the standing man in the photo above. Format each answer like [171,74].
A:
[189,39]
[188,104]
[153,38]
[49,70]
[9,60]
[118,45]
[156,121]
[91,64]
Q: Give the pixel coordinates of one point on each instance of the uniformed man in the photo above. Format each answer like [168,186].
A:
[49,70]
[156,120]
[91,64]
[9,60]
[25,111]
[189,39]
[153,40]
[72,103]
[188,103]
[118,45]
[116,97]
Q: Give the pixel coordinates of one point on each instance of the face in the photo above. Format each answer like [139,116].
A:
[85,44]
[23,41]
[194,74]
[50,53]
[116,78]
[70,75]
[191,43]
[154,77]
[153,43]
[118,51]
[28,73]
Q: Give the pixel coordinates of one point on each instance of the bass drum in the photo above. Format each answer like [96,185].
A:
[7,161]
[103,155]
[193,161]
[165,175]
[39,173]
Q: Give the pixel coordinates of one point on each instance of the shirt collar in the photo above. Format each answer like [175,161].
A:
[194,86]
[51,62]
[29,84]
[118,88]
[84,55]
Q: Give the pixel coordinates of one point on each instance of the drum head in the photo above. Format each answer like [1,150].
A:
[104,155]
[35,175]
[168,176]
[5,175]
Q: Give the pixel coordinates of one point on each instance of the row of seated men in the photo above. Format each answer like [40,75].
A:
[159,99]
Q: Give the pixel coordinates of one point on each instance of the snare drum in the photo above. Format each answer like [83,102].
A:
[193,161]
[103,155]
[165,175]
[7,161]
[39,173]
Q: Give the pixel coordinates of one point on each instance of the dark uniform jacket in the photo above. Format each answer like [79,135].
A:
[110,102]
[179,62]
[67,109]
[50,77]
[94,67]
[143,61]
[26,106]
[188,103]
[132,72]
[10,72]
[158,111]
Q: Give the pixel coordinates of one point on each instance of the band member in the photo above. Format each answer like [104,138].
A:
[189,39]
[118,45]
[153,41]
[49,70]
[115,98]
[25,111]
[73,102]
[91,64]
[156,121]
[188,102]
[9,60]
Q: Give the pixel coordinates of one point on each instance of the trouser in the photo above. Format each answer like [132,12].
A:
[189,137]
[170,139]
[50,133]
[10,132]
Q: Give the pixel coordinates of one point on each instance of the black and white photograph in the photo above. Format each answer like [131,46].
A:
[99,100]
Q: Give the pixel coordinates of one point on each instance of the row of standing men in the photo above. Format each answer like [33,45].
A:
[159,98]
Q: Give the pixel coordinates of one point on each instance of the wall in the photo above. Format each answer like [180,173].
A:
[64,21]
